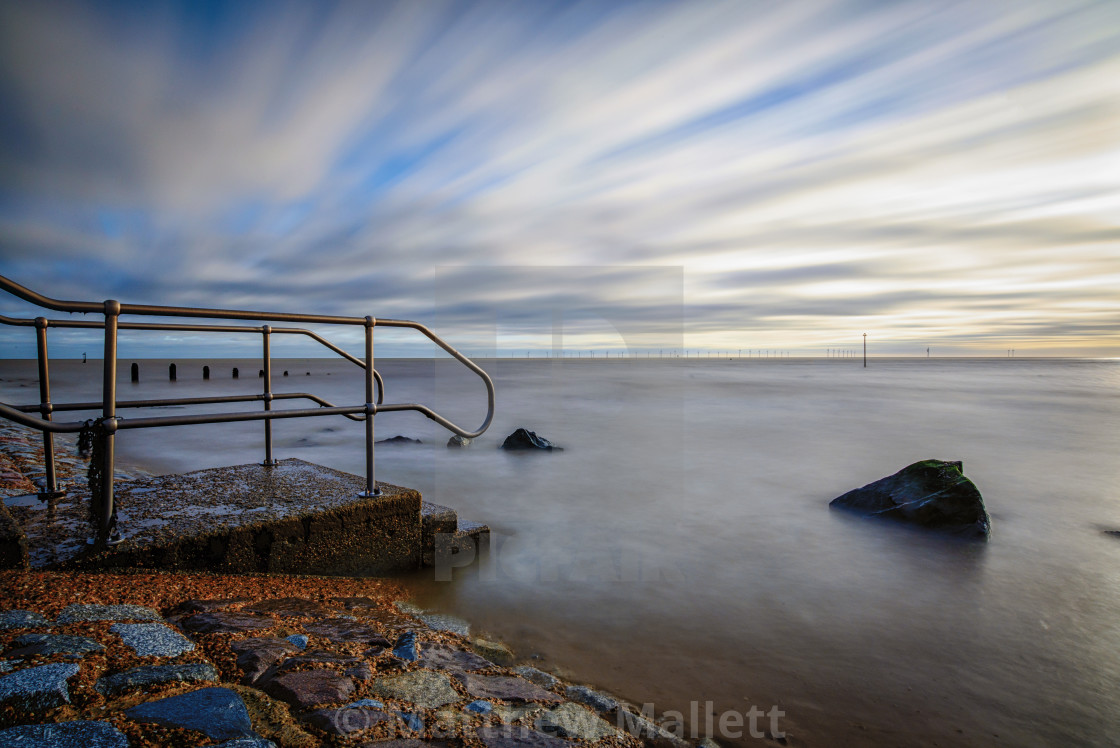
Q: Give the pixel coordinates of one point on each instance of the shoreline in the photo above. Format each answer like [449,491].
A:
[515,704]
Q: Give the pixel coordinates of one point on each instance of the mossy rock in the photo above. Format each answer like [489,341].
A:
[929,493]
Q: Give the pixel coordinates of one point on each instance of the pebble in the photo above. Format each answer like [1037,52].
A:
[76,734]
[366,703]
[21,619]
[412,721]
[218,712]
[480,707]
[148,675]
[75,613]
[38,688]
[153,639]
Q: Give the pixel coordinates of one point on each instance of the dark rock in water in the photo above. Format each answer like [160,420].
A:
[525,439]
[398,439]
[930,493]
[458,441]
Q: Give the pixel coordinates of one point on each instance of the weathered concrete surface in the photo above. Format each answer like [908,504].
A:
[295,517]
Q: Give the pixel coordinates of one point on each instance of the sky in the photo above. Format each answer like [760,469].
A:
[607,175]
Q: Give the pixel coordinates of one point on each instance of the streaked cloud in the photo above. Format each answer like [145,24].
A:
[935,174]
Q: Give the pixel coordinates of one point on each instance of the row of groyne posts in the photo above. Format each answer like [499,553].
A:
[103,430]
[173,373]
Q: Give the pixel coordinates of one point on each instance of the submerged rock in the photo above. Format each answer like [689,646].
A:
[525,439]
[930,493]
[398,439]
[458,441]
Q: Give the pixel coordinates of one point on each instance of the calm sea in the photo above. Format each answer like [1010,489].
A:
[681,548]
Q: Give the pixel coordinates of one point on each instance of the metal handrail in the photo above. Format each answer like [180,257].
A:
[111,423]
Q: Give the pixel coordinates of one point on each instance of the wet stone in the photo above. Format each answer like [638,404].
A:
[218,712]
[226,622]
[421,687]
[349,720]
[49,644]
[406,743]
[37,688]
[150,675]
[290,607]
[574,721]
[152,639]
[258,654]
[442,657]
[598,701]
[541,678]
[76,613]
[494,651]
[300,640]
[6,667]
[21,619]
[342,630]
[508,736]
[310,688]
[505,687]
[405,648]
[443,622]
[372,703]
[412,721]
[76,734]
[479,707]
[408,608]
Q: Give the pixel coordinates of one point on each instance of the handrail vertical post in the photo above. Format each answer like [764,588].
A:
[51,489]
[371,408]
[266,332]
[109,422]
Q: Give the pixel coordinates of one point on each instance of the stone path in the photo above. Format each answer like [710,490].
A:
[286,672]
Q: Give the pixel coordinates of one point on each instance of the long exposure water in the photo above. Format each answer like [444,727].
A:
[681,549]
